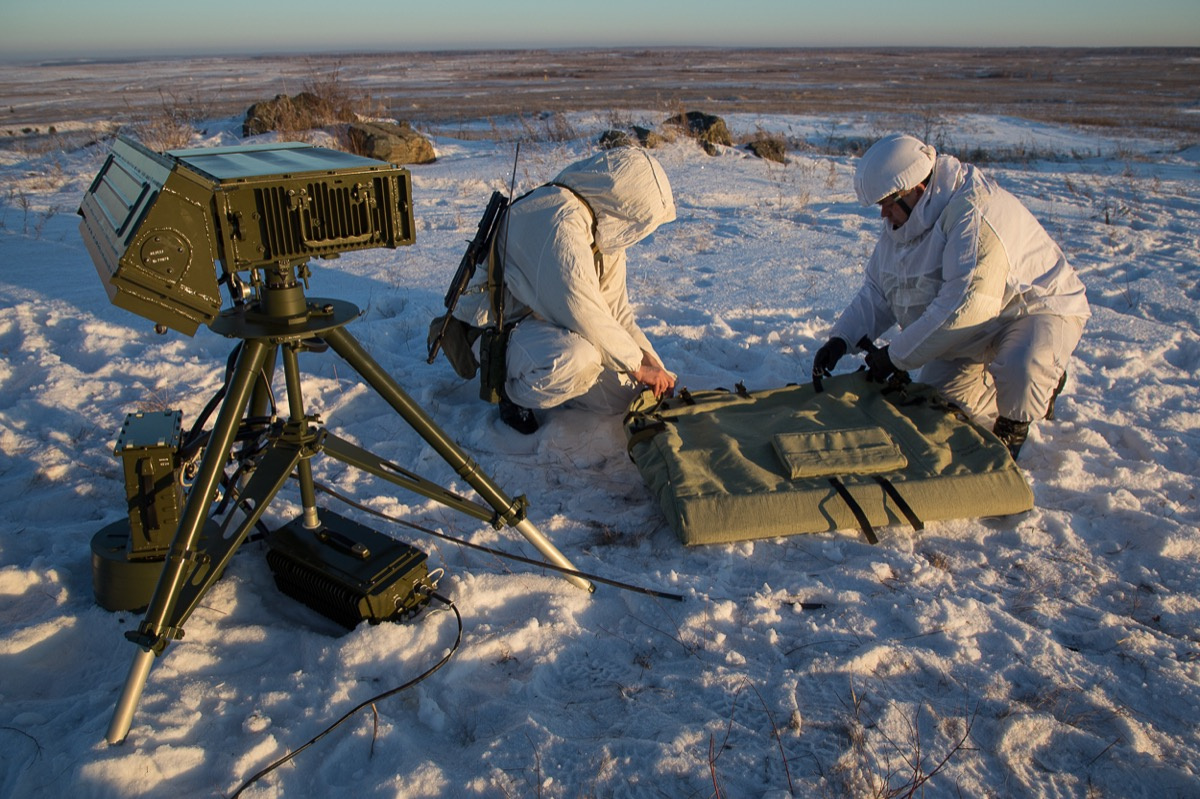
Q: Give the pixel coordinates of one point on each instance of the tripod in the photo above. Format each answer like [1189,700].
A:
[283,321]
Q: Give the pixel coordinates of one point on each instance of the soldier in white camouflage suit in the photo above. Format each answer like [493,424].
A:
[986,304]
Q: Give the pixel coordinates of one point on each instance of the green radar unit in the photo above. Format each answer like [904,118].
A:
[156,224]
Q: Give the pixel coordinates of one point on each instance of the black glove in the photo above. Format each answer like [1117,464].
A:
[879,365]
[827,358]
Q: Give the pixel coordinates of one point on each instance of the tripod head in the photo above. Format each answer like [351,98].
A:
[158,224]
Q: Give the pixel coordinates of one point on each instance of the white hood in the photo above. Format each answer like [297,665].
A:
[628,191]
[550,267]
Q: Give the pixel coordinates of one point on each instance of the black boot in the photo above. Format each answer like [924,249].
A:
[517,417]
[1012,433]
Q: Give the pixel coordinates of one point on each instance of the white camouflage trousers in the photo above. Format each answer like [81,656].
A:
[549,365]
[1015,372]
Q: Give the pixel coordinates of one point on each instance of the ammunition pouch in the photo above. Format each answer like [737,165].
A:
[493,366]
[457,339]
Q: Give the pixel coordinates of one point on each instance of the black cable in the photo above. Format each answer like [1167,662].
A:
[214,402]
[377,698]
[197,436]
[497,552]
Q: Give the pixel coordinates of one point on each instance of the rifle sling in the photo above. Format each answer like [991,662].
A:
[496,262]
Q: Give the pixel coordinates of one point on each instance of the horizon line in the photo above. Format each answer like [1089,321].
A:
[50,59]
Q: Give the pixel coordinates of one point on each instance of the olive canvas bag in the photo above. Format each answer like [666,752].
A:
[732,466]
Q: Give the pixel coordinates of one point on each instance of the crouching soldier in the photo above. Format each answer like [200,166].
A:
[561,251]
[987,306]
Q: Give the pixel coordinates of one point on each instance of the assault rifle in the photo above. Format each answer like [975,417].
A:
[477,253]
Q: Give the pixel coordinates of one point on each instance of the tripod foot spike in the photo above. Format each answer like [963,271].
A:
[551,553]
[122,718]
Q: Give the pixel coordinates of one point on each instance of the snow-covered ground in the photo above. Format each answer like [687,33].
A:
[1051,654]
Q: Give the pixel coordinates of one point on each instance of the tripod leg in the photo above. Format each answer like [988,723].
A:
[353,353]
[308,493]
[156,630]
[118,728]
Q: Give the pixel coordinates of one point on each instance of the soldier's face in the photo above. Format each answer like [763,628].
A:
[895,207]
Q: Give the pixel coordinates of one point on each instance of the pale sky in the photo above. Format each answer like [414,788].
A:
[35,29]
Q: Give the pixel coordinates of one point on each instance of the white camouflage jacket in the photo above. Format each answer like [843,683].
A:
[970,259]
[550,266]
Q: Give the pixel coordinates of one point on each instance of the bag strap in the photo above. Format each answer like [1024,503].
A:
[856,509]
[861,516]
[904,507]
[643,434]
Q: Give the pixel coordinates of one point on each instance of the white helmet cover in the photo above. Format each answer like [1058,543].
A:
[894,163]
